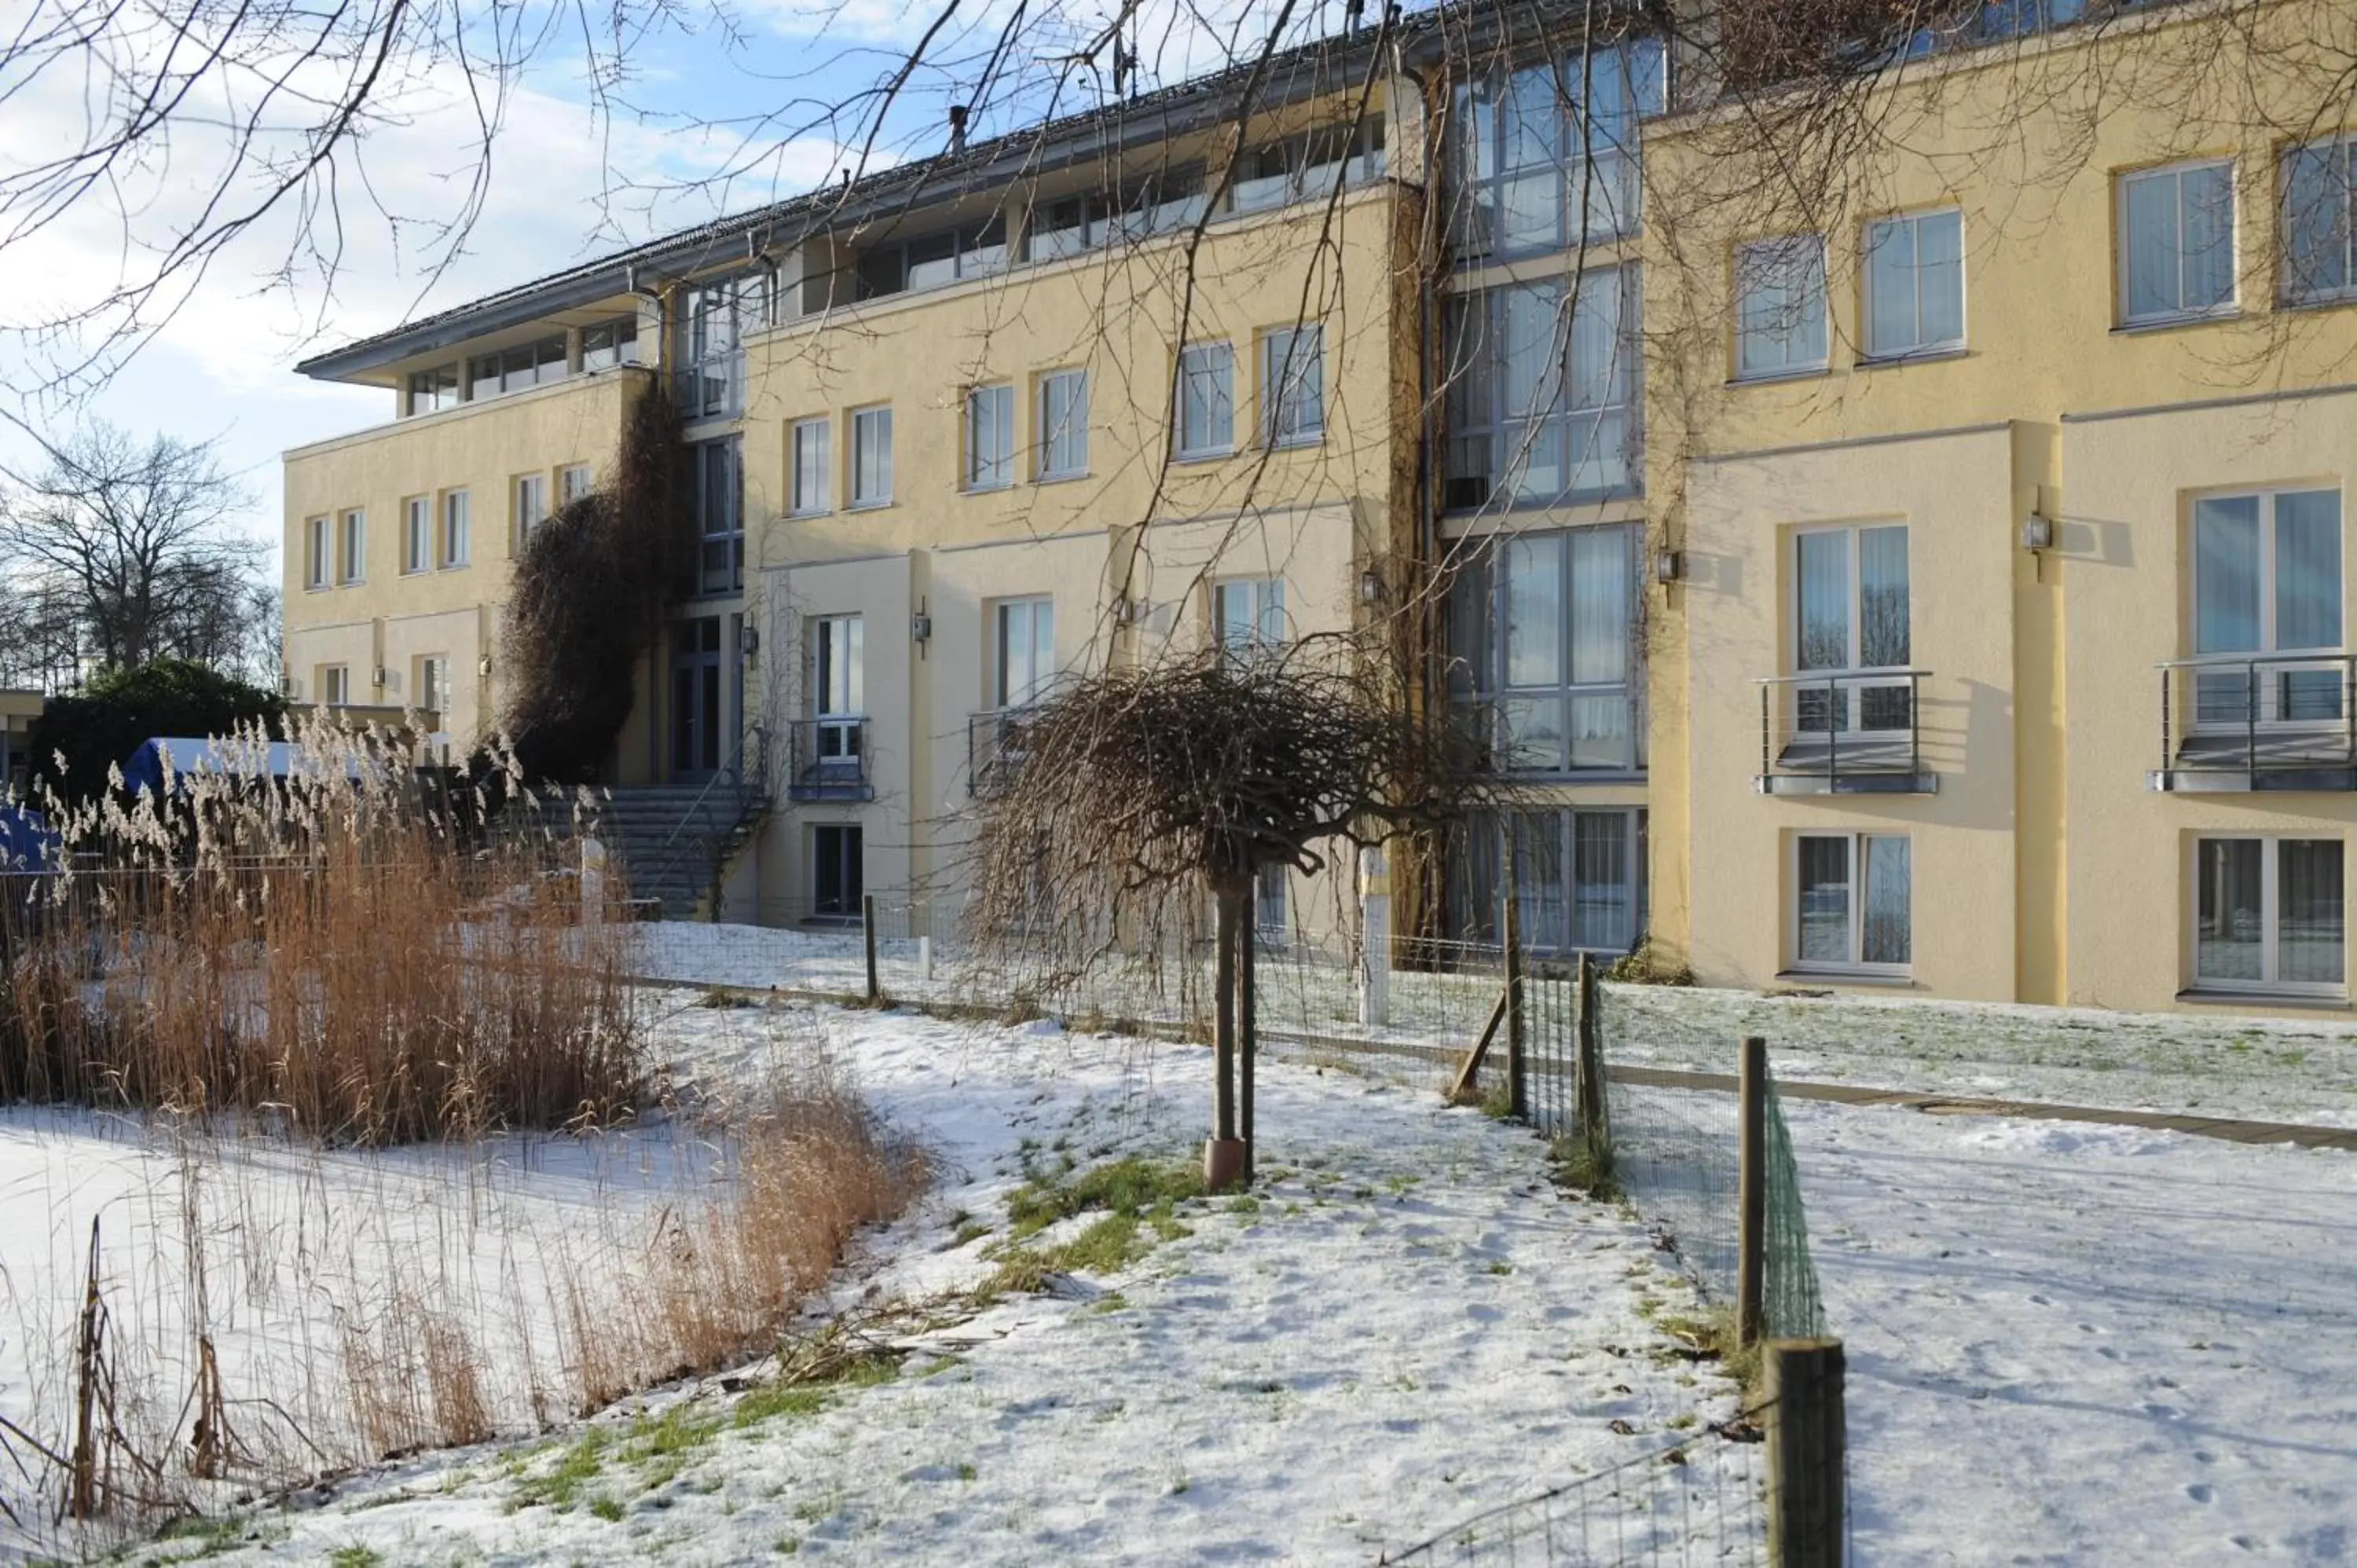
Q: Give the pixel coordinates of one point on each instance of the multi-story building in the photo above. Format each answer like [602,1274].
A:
[1935,585]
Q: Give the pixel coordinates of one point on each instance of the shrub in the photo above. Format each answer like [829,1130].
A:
[102,726]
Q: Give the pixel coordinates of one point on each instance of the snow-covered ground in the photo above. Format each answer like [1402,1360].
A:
[1405,1324]
[2087,1344]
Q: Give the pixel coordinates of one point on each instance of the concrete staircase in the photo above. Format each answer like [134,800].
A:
[670,842]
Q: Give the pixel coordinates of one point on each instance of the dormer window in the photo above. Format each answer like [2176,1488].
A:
[513,369]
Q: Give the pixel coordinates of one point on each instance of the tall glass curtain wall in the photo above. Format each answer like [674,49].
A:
[2267,580]
[1543,390]
[1544,631]
[1547,154]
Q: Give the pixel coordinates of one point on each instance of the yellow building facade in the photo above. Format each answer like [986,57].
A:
[1912,590]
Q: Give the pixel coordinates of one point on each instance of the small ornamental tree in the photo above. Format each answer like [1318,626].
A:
[1120,802]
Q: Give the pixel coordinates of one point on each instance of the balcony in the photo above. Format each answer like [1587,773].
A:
[2242,724]
[994,747]
[828,759]
[1578,735]
[1843,732]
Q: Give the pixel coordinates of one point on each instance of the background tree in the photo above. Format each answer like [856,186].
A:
[1109,813]
[78,737]
[122,552]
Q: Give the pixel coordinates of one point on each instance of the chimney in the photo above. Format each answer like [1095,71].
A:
[957,127]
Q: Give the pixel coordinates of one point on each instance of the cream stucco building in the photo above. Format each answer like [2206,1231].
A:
[1944,597]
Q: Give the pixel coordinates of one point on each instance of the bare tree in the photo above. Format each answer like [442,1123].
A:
[124,553]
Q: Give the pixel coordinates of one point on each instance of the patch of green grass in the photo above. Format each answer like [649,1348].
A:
[354,1557]
[786,1546]
[1712,1339]
[967,1472]
[1500,1266]
[1132,1185]
[810,1396]
[608,1510]
[560,1485]
[1242,1203]
[1587,1163]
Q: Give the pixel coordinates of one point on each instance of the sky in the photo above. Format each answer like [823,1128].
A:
[599,144]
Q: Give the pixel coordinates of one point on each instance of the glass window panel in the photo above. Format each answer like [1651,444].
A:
[1886,937]
[1823,642]
[1538,878]
[1940,276]
[871,441]
[1603,890]
[813,490]
[2226,574]
[2307,569]
[1532,734]
[1824,900]
[1891,287]
[1599,731]
[2229,938]
[1530,353]
[1531,119]
[2207,196]
[2317,202]
[1781,306]
[1064,424]
[1530,211]
[1206,406]
[1601,577]
[1534,617]
[2151,241]
[1882,615]
[990,437]
[2311,925]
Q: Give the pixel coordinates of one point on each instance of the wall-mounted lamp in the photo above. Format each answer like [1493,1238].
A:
[1126,610]
[2037,532]
[1669,566]
[921,627]
[483,665]
[1370,586]
[749,640]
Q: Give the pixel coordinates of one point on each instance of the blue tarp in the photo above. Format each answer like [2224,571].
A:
[228,758]
[27,841]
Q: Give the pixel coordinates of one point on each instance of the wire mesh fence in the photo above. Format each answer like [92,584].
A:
[1694,1501]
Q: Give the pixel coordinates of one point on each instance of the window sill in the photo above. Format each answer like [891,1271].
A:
[807,515]
[1060,478]
[1216,455]
[2336,301]
[998,489]
[1897,981]
[870,506]
[2176,323]
[1912,357]
[2261,997]
[1770,378]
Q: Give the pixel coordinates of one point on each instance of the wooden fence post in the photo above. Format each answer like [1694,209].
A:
[1517,1038]
[1588,1058]
[1807,1443]
[1751,1192]
[868,928]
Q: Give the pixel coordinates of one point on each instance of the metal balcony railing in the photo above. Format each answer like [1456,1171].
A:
[2240,721]
[1843,732]
[827,759]
[1565,733]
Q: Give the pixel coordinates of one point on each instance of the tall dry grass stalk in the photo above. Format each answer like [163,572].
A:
[346,950]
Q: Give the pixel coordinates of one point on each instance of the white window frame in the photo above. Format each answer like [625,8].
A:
[1003,699]
[871,426]
[1268,627]
[1749,272]
[573,481]
[1061,448]
[433,682]
[1198,360]
[336,685]
[2270,919]
[318,552]
[2231,303]
[812,464]
[455,546]
[2344,147]
[995,470]
[1920,346]
[1851,692]
[2266,568]
[1289,416]
[1854,962]
[530,493]
[417,534]
[351,548]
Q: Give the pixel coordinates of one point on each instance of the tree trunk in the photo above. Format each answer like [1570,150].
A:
[1223,1015]
[1247,1031]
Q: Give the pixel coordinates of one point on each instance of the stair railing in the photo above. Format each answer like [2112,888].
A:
[750,788]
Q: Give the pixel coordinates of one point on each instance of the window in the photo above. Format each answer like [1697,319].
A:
[871,457]
[1063,425]
[611,343]
[1579,879]
[1543,633]
[417,534]
[1025,660]
[1914,285]
[928,261]
[318,551]
[335,684]
[1269,916]
[1854,902]
[1310,166]
[2319,221]
[2176,243]
[2020,18]
[719,518]
[838,696]
[1248,614]
[434,683]
[989,438]
[1543,399]
[1293,386]
[1548,154]
[2270,915]
[431,391]
[1850,614]
[513,370]
[351,558]
[1207,401]
[573,482]
[530,505]
[715,319]
[458,527]
[2267,580]
[1072,224]
[813,493]
[1780,306]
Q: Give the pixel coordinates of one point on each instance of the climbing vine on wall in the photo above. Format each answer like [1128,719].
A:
[591,584]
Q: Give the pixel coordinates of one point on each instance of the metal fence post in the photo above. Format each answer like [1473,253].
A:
[1517,1035]
[867,930]
[1807,1434]
[1751,1192]
[1587,1066]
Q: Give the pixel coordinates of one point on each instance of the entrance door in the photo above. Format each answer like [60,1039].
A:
[836,855]
[696,726]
